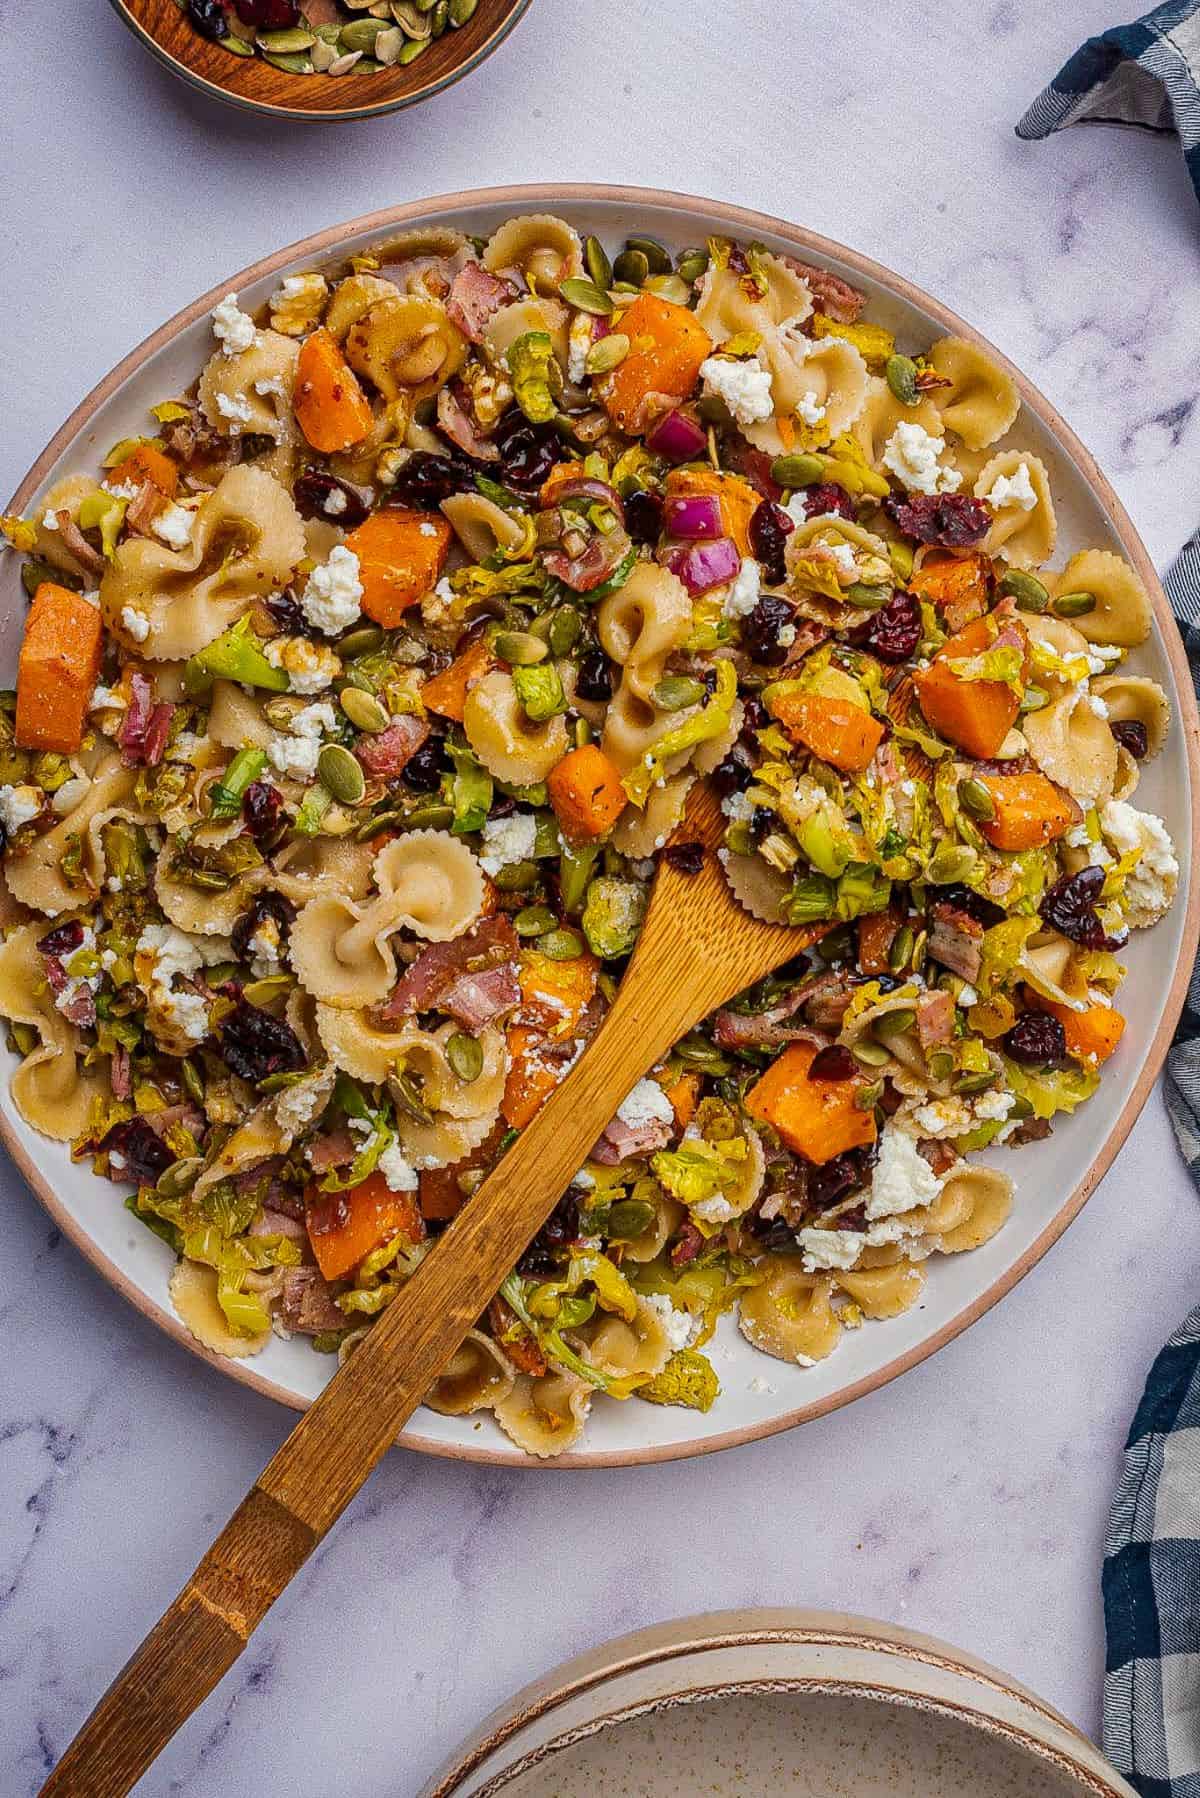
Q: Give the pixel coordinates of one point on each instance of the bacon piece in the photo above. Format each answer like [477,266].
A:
[145,726]
[306,1303]
[277,1223]
[442,969]
[455,420]
[121,1075]
[388,754]
[338,1149]
[830,293]
[193,443]
[73,539]
[765,1029]
[940,1156]
[475,296]
[935,1018]
[477,999]
[687,1245]
[143,509]
[621,1140]
[826,997]
[955,939]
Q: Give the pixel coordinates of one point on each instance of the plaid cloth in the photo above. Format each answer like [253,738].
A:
[1146,73]
[1151,1578]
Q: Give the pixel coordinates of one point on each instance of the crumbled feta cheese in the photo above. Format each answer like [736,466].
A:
[745,388]
[399,1173]
[646,1104]
[843,555]
[797,508]
[174,526]
[507,840]
[126,490]
[677,1324]
[967,995]
[741,595]
[50,521]
[18,805]
[236,408]
[584,1181]
[738,806]
[426,529]
[335,503]
[264,948]
[272,385]
[175,953]
[911,454]
[1097,705]
[310,667]
[579,342]
[714,1210]
[296,754]
[233,328]
[902,1179]
[810,408]
[1016,491]
[330,600]
[786,635]
[941,1118]
[1151,882]
[298,1105]
[136,623]
[830,1248]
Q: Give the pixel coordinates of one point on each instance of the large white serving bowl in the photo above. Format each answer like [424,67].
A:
[1054,1178]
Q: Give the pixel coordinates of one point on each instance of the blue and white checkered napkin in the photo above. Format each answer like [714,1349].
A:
[1152,1550]
[1146,73]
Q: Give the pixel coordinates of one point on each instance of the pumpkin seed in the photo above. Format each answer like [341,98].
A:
[363,641]
[279,712]
[363,710]
[405,1089]
[341,774]
[598,265]
[920,950]
[323,56]
[669,287]
[565,626]
[237,45]
[901,558]
[465,1056]
[370,65]
[631,267]
[342,65]
[328,34]
[1033,699]
[694,1052]
[974,1083]
[1026,589]
[1073,605]
[298,64]
[949,864]
[901,374]
[628,1219]
[519,649]
[432,815]
[941,1064]
[281,42]
[657,260]
[360,35]
[517,877]
[561,945]
[677,691]
[607,353]
[440,17]
[895,1023]
[797,471]
[691,265]
[586,296]
[179,1178]
[869,598]
[866,1098]
[869,1054]
[534,920]
[411,51]
[462,12]
[901,948]
[975,799]
[388,46]
[411,22]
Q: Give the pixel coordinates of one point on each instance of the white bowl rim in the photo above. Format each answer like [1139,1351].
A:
[742,221]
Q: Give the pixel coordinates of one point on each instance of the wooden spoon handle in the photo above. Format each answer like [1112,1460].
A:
[335,1445]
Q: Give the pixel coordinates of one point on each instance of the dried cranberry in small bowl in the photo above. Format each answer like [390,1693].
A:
[895,630]
[209,17]
[1131,735]
[256,1045]
[1036,1040]
[760,631]
[268,15]
[770,528]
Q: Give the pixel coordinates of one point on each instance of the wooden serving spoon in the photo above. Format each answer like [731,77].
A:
[697,949]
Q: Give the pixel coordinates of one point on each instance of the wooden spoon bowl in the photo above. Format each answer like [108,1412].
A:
[258,86]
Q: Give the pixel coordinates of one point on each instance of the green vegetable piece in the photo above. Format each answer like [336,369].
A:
[697,727]
[688,1379]
[235,655]
[613,915]
[540,691]
[242,772]
[575,871]
[561,945]
[106,513]
[536,377]
[470,791]
[313,807]
[534,920]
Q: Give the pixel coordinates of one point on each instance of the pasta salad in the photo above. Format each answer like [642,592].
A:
[359,697]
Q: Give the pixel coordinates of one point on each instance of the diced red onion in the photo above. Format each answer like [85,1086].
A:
[696,517]
[701,566]
[677,437]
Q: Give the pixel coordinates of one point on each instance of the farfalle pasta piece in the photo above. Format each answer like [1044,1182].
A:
[67,496]
[789,1314]
[638,627]
[545,1415]
[1070,741]
[506,740]
[199,910]
[1122,611]
[308,867]
[1016,484]
[982,401]
[545,250]
[193,1292]
[481,526]
[456,1114]
[621,1349]
[987,1195]
[1136,699]
[881,412]
[668,1215]
[352,299]
[251,395]
[406,345]
[830,376]
[731,303]
[246,540]
[358,1046]
[51,1088]
[1049,963]
[236,719]
[518,319]
[881,1292]
[37,878]
[429,882]
[758,887]
[478,1377]
[296,306]
[639,833]
[269,1129]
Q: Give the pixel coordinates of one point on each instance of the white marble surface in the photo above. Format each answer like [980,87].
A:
[969,1499]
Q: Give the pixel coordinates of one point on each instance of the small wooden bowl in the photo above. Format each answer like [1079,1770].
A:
[259,87]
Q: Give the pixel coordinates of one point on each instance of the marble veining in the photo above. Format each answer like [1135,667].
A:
[970,1498]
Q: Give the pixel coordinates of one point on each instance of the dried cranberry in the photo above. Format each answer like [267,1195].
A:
[1131,735]
[755,715]
[643,517]
[827,500]
[772,1232]
[1070,908]
[1036,1040]
[263,906]
[285,610]
[833,1063]
[974,904]
[209,18]
[760,631]
[145,1155]
[770,528]
[685,858]
[262,809]
[762,822]
[953,519]
[895,630]
[255,1044]
[754,466]
[559,1229]
[527,452]
[595,675]
[268,15]
[424,769]
[426,480]
[319,494]
[830,1182]
[733,775]
[686,1246]
[64,939]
